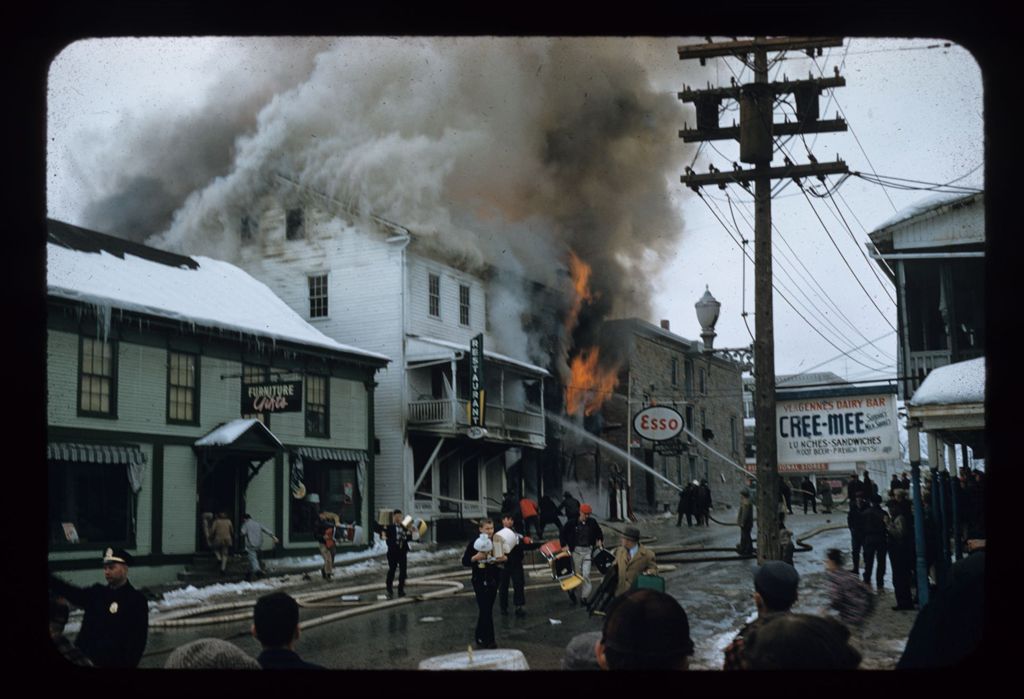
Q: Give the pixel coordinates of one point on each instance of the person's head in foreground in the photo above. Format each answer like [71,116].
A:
[800,642]
[645,630]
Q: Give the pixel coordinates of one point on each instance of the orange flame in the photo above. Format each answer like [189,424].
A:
[580,272]
[590,386]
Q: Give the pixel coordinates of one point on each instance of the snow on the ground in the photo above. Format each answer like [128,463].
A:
[345,565]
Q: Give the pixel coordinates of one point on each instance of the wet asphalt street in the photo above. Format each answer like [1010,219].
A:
[716,595]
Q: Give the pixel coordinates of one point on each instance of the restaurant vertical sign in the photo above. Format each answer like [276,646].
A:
[475,407]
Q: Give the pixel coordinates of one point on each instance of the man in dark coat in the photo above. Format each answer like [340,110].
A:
[894,485]
[580,536]
[875,538]
[397,538]
[853,488]
[704,503]
[512,569]
[548,515]
[901,551]
[116,622]
[787,494]
[809,492]
[570,507]
[275,624]
[745,519]
[855,522]
[687,504]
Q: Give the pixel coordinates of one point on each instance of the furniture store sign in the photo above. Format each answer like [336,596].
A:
[837,429]
[272,397]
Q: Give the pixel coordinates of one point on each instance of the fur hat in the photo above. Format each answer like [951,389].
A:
[210,654]
[580,653]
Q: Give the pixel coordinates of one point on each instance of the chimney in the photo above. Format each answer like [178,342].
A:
[664,325]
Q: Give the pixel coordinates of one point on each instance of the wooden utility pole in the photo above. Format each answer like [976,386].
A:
[755,135]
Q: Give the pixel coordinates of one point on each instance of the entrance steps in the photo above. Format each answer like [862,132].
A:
[205,569]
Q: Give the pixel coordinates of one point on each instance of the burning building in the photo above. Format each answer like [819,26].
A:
[414,193]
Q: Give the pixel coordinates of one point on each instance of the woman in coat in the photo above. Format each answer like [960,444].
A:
[222,535]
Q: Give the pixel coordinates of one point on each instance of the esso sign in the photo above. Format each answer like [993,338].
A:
[658,423]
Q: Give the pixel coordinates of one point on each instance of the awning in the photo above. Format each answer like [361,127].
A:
[331,454]
[247,432]
[131,455]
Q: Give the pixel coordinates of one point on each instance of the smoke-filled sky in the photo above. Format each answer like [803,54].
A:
[513,152]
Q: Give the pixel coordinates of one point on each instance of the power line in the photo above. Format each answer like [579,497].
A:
[810,274]
[847,263]
[786,299]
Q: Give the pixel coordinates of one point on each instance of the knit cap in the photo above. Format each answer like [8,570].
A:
[210,654]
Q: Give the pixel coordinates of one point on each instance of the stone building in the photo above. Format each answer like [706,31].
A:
[661,368]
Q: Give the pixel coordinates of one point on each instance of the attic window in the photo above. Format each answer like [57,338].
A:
[295,228]
[247,229]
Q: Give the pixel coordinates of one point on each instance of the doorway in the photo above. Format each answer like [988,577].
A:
[219,489]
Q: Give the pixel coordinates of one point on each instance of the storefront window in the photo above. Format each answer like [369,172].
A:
[90,504]
[338,489]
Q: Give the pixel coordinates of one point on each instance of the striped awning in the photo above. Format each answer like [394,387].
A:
[330,454]
[129,454]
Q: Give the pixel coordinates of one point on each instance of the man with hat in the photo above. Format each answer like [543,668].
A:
[775,593]
[116,622]
[631,559]
[581,536]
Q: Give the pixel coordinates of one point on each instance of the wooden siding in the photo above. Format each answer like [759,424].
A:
[179,499]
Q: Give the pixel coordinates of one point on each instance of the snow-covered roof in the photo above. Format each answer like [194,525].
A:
[963,382]
[423,349]
[215,294]
[933,201]
[230,431]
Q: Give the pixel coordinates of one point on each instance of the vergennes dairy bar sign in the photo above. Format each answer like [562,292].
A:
[830,428]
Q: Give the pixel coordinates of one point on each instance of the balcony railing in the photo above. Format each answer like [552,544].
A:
[502,422]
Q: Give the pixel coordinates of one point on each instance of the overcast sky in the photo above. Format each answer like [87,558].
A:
[135,126]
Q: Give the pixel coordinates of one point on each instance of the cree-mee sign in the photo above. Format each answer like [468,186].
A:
[658,423]
[811,430]
[272,397]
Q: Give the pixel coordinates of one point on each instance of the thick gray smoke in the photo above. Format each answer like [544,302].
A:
[503,154]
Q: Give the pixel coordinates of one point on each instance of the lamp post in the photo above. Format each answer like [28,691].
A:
[767,474]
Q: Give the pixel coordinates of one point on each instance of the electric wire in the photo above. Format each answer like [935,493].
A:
[788,302]
[848,266]
[802,287]
[885,284]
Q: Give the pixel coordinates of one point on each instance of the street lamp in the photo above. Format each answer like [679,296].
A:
[707,315]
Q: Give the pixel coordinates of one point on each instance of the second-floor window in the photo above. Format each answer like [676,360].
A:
[294,224]
[317,409]
[702,383]
[689,420]
[97,378]
[434,294]
[318,296]
[182,388]
[674,372]
[688,377]
[463,304]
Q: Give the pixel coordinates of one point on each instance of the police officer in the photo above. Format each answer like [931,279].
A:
[116,623]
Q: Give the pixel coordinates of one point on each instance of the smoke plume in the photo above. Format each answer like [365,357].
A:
[501,154]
